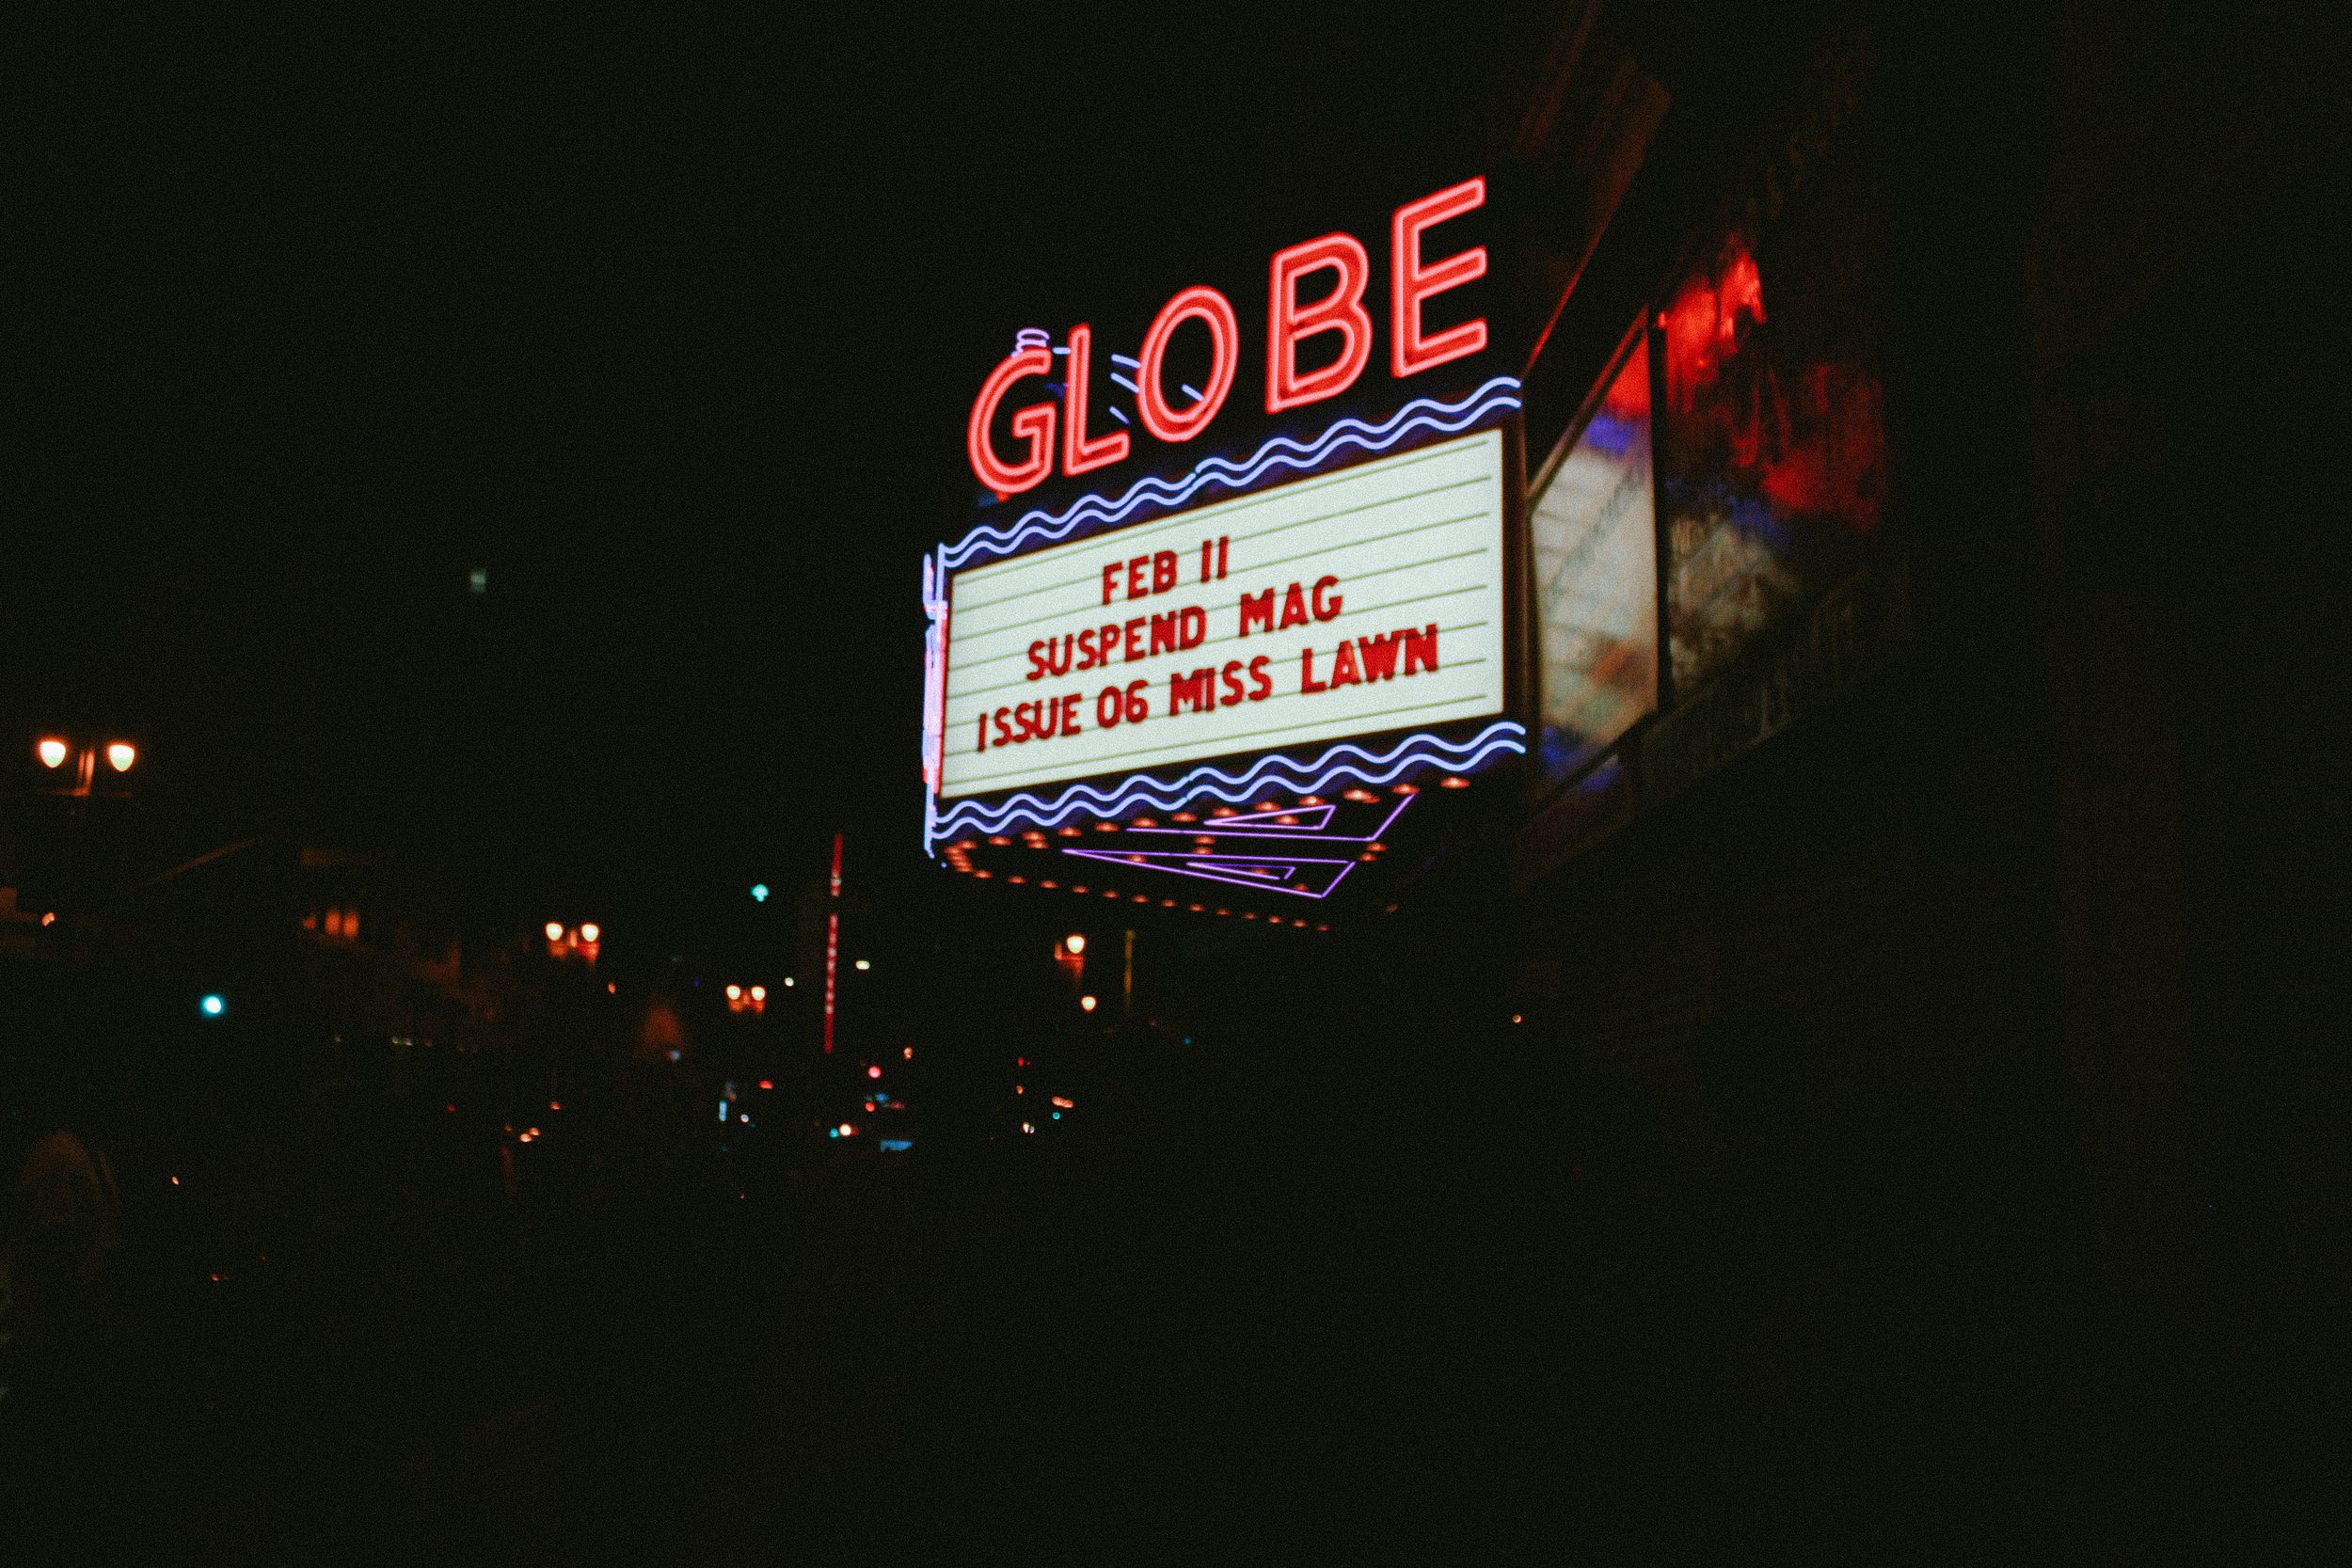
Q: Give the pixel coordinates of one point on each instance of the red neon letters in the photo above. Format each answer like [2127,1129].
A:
[1341,312]
[1205,305]
[1411,283]
[1078,454]
[1289,323]
[1034,423]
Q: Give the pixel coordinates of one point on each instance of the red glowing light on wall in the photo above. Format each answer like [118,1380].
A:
[1341,310]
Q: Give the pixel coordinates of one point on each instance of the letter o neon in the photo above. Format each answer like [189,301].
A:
[1035,423]
[1205,305]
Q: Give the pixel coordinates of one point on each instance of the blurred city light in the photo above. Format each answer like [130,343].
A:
[51,752]
[873,1072]
[759,893]
[589,932]
[787,979]
[1087,1003]
[766,1084]
[1026,1128]
[555,931]
[759,994]
[1076,942]
[735,993]
[863,965]
[213,1007]
[120,754]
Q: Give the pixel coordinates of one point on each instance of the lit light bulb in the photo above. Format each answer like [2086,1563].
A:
[120,754]
[51,752]
[1087,1003]
[590,932]
[555,931]
[759,994]
[1076,942]
[735,993]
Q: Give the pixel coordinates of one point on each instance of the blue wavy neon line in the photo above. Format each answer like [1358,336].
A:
[1420,413]
[1502,736]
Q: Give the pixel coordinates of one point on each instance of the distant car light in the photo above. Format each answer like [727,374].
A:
[554,931]
[863,965]
[1076,942]
[1087,1003]
[51,752]
[120,755]
[590,931]
[735,993]
[759,994]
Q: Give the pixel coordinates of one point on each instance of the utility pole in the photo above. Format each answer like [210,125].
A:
[833,942]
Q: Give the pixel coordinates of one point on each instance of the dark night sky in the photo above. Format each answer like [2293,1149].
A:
[672,328]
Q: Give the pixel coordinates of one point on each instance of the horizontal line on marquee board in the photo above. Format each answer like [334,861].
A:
[1186,519]
[1229,638]
[1065,617]
[1087,578]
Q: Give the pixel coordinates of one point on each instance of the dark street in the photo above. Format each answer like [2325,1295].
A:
[1550,782]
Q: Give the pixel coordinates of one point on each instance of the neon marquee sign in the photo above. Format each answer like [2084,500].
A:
[1060,685]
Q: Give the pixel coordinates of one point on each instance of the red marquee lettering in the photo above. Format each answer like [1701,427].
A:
[1193,624]
[1343,666]
[1308,685]
[1134,638]
[1162,571]
[1379,657]
[1322,585]
[1293,609]
[1261,684]
[1231,673]
[1163,633]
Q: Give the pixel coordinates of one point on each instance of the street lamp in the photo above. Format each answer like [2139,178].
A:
[56,751]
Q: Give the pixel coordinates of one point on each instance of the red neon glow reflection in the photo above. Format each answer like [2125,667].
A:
[1341,310]
[1034,424]
[1814,444]
[1211,310]
[1078,454]
[1411,283]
